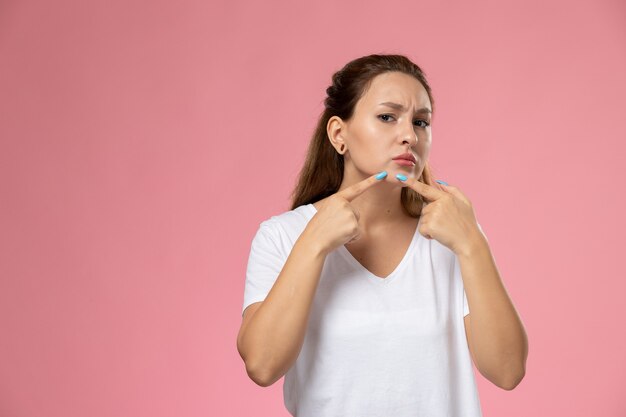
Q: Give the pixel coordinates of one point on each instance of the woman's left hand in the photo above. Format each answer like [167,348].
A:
[448,217]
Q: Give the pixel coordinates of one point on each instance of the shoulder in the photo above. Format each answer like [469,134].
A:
[287,226]
[290,219]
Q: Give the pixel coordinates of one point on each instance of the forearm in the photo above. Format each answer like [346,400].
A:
[497,335]
[273,339]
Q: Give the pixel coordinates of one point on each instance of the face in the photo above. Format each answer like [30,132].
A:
[376,133]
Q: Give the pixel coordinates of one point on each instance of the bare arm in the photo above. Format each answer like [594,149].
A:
[496,336]
[270,340]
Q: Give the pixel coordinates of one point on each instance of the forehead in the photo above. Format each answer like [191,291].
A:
[396,87]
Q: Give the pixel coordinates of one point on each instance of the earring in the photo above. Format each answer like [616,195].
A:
[341,149]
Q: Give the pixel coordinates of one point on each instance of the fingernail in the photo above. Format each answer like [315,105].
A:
[381,175]
[401,177]
[442,182]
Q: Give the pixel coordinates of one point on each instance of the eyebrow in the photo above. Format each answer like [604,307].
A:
[402,108]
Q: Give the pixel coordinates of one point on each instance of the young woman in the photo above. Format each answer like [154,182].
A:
[360,294]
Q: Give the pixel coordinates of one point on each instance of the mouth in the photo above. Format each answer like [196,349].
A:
[404,162]
[406,157]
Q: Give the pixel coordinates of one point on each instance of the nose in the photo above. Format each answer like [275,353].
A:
[408,135]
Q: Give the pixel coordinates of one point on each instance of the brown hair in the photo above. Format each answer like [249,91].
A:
[322,172]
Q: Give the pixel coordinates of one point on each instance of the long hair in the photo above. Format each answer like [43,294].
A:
[322,172]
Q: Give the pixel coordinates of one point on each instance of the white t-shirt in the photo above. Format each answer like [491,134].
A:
[393,346]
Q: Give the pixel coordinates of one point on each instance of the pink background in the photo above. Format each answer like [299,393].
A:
[143,142]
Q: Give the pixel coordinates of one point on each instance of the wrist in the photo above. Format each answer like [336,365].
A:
[313,243]
[472,246]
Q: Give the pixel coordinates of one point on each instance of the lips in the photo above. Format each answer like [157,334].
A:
[407,156]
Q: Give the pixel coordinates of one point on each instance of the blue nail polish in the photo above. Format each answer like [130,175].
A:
[442,182]
[381,175]
[401,177]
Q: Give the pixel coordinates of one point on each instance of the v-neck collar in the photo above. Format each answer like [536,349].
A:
[374,278]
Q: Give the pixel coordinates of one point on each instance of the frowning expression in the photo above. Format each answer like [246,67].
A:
[393,117]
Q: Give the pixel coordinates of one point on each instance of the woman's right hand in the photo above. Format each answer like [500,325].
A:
[337,221]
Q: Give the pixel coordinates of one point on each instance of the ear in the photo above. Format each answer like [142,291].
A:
[335,129]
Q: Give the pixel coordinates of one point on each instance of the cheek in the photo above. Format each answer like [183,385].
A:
[369,154]
[372,154]
[425,146]
[368,146]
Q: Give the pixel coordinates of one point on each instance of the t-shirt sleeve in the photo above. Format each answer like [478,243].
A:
[465,304]
[459,277]
[457,265]
[481,229]
[265,262]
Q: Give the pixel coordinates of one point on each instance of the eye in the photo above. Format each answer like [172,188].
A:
[385,115]
[424,124]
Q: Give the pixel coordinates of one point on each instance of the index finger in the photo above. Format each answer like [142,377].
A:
[355,190]
[430,192]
